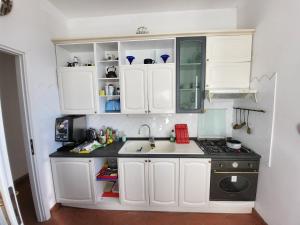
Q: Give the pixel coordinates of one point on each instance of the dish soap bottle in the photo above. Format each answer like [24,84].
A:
[172,136]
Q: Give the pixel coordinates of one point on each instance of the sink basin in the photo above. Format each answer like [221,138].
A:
[136,147]
[161,147]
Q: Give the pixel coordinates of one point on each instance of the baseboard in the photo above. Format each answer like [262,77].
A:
[258,216]
[21,179]
[55,207]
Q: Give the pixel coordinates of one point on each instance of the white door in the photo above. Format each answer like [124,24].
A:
[133,181]
[161,88]
[77,89]
[73,180]
[229,48]
[194,182]
[163,182]
[133,82]
[228,75]
[8,197]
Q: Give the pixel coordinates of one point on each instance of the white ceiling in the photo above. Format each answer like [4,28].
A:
[97,8]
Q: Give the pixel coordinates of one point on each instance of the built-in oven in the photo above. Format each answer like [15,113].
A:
[233,180]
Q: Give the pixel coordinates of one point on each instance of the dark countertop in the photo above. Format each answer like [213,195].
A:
[113,149]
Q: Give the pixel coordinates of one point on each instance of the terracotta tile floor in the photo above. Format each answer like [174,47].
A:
[73,216]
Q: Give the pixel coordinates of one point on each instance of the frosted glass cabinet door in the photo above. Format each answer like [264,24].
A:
[77,90]
[161,88]
[133,181]
[194,182]
[190,74]
[163,182]
[133,81]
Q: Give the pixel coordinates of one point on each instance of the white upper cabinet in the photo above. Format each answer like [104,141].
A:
[73,180]
[147,88]
[229,48]
[163,182]
[194,182]
[133,181]
[161,88]
[133,81]
[228,62]
[77,90]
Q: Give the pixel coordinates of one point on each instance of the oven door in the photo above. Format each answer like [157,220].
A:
[233,186]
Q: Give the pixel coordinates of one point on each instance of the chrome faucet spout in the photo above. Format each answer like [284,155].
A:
[151,139]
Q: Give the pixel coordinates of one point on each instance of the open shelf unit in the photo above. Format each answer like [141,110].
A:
[106,187]
[152,49]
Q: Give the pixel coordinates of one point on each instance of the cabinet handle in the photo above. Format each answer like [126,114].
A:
[146,160]
[207,60]
[149,111]
[146,111]
[149,160]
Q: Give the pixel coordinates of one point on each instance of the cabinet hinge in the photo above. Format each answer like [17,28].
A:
[31,146]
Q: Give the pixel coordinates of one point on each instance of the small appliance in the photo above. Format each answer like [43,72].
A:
[149,61]
[70,130]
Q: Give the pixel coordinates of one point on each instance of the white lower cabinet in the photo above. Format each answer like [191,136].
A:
[133,181]
[151,182]
[73,180]
[163,182]
[194,182]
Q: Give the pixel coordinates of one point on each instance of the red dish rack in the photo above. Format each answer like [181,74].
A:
[182,134]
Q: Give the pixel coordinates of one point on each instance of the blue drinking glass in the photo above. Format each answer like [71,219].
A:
[130,58]
[164,57]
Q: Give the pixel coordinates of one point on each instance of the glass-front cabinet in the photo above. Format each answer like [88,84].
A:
[190,70]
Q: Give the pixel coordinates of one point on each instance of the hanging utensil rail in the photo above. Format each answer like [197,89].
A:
[252,110]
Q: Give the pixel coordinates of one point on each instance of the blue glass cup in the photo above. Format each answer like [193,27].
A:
[130,58]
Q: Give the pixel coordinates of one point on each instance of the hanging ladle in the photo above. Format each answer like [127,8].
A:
[235,126]
[248,128]
[244,121]
[239,126]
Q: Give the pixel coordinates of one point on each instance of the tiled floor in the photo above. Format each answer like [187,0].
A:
[73,216]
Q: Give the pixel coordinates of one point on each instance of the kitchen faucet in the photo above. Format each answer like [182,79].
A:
[151,139]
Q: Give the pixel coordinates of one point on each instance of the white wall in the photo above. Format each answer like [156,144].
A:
[29,28]
[276,49]
[163,22]
[11,116]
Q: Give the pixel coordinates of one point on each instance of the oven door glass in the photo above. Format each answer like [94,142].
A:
[233,186]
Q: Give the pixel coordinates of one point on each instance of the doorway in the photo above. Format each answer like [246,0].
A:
[21,169]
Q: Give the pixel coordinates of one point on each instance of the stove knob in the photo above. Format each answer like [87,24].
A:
[235,165]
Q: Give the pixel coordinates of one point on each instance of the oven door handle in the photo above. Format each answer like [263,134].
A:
[254,172]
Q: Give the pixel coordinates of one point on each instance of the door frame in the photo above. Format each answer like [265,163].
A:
[42,211]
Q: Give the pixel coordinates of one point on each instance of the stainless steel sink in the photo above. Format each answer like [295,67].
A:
[161,147]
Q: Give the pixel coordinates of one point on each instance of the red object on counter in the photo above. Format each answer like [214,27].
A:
[182,134]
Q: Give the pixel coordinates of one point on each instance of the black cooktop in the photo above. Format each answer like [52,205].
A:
[218,147]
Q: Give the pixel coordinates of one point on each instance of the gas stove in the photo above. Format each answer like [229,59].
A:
[219,147]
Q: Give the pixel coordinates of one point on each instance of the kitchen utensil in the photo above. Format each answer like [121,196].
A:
[235,126]
[164,57]
[91,135]
[111,89]
[149,61]
[244,121]
[248,128]
[106,89]
[233,144]
[111,72]
[130,58]
[239,125]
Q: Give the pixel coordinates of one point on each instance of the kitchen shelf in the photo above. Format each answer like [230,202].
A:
[104,175]
[108,61]
[109,96]
[231,94]
[190,64]
[104,78]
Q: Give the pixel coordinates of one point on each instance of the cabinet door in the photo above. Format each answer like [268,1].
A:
[77,90]
[228,75]
[163,182]
[190,74]
[133,181]
[161,88]
[229,48]
[73,180]
[194,182]
[133,89]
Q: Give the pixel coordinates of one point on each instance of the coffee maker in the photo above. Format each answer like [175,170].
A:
[71,131]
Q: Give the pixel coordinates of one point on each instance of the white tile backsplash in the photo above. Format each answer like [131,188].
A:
[161,124]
